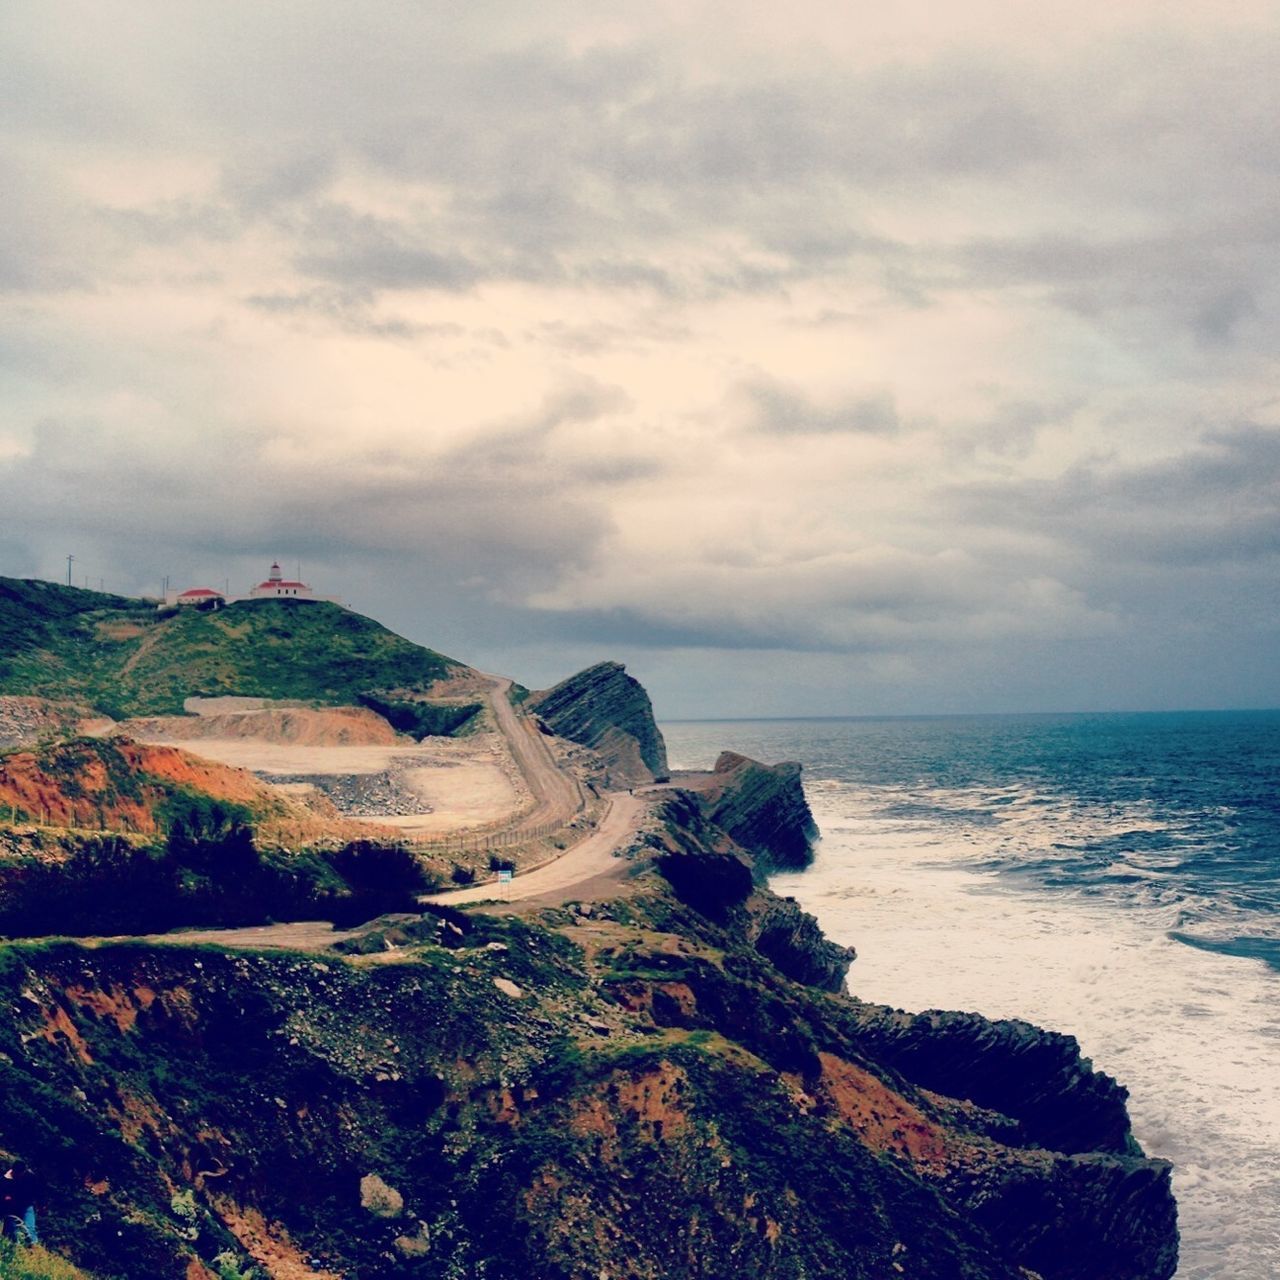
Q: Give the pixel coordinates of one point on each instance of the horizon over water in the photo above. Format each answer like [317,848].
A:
[1112,875]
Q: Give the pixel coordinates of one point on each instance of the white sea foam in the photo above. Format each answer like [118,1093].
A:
[1193,1034]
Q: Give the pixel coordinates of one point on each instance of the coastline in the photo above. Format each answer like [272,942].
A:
[1176,1025]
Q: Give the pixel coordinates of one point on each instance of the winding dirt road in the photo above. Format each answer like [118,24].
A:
[558,798]
[557,795]
[588,860]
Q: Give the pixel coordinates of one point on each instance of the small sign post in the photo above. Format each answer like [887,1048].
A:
[504,879]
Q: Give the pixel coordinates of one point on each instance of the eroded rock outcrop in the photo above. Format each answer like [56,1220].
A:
[1036,1076]
[763,807]
[794,941]
[26,722]
[606,710]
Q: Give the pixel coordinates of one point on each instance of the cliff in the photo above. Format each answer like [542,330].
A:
[604,709]
[763,807]
[632,1091]
[666,1084]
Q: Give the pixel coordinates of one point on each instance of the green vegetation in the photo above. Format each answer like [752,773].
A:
[117,780]
[422,719]
[207,872]
[125,659]
[35,1263]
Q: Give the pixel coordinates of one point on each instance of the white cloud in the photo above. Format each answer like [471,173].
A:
[925,334]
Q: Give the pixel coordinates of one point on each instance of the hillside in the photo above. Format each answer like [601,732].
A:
[124,659]
[114,784]
[635,1087]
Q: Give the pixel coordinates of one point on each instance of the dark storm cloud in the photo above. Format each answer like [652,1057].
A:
[1207,284]
[260,182]
[359,251]
[635,628]
[502,512]
[350,311]
[1215,505]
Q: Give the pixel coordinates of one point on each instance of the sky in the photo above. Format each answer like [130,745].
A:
[815,359]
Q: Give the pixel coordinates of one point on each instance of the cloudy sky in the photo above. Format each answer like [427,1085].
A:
[811,358]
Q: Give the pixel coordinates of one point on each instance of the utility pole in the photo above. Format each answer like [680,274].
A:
[69,560]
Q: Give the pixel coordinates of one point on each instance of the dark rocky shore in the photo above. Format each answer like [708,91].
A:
[669,1083]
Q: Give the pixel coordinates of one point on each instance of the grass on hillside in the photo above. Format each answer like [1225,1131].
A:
[125,659]
[35,1263]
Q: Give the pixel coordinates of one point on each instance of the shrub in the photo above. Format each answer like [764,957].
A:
[369,867]
[210,837]
[421,719]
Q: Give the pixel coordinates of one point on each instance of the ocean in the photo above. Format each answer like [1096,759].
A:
[1116,877]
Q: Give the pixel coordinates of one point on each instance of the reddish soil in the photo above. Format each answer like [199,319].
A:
[122,786]
[882,1119]
[296,726]
[74,786]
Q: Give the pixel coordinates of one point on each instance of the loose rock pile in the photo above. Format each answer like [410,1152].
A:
[24,721]
[362,795]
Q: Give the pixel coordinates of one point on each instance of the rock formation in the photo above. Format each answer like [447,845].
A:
[1036,1076]
[606,710]
[664,1085]
[762,807]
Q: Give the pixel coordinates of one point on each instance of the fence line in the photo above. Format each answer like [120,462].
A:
[486,841]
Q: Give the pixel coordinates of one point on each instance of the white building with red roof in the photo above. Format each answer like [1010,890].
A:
[274,587]
[278,587]
[201,595]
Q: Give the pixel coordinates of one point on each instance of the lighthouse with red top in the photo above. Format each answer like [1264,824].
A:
[278,587]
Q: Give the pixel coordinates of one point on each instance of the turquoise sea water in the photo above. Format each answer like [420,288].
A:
[1114,876]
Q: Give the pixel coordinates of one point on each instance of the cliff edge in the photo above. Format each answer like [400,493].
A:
[609,712]
[669,1081]
[763,807]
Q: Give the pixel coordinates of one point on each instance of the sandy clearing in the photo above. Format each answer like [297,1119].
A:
[296,935]
[229,703]
[462,782]
[285,726]
[460,794]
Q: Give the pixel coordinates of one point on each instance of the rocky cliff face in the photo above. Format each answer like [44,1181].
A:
[794,941]
[1036,1076]
[635,1092]
[763,807]
[668,1085]
[604,709]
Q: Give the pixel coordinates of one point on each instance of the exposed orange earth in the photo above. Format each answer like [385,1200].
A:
[116,784]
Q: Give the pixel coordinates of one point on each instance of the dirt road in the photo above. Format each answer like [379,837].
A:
[557,794]
[590,862]
[558,797]
[587,860]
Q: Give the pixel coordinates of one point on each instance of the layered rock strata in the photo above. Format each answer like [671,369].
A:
[606,710]
[763,807]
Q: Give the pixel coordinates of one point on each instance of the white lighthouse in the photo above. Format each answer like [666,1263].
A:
[278,587]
